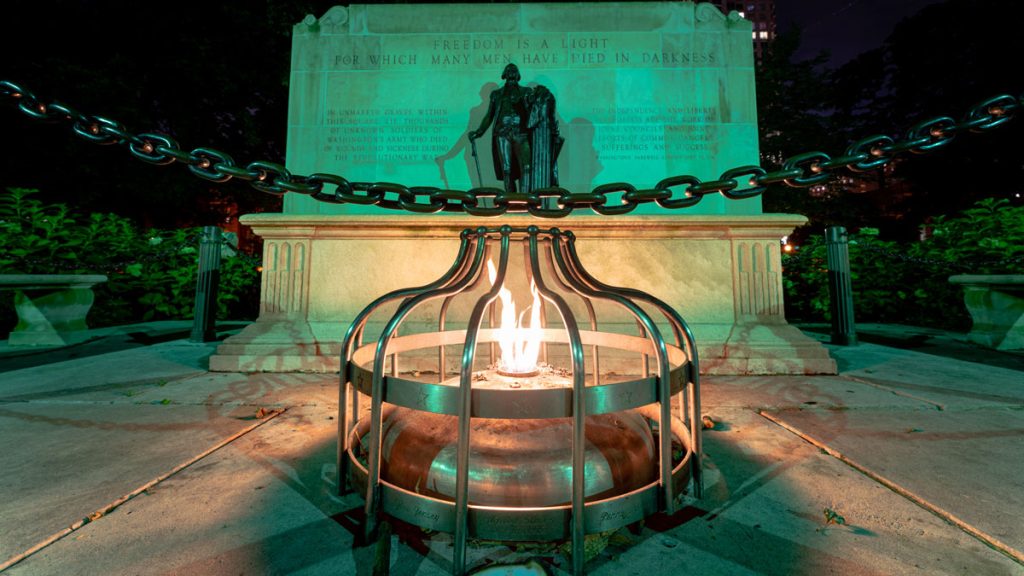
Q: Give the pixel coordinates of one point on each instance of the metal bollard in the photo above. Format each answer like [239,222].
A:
[204,317]
[840,288]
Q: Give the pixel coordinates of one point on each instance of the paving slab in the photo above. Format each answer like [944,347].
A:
[835,393]
[968,463]
[160,362]
[265,504]
[80,434]
[947,381]
[63,462]
[960,450]
[766,515]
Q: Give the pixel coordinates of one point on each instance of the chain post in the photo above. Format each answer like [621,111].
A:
[840,286]
[204,318]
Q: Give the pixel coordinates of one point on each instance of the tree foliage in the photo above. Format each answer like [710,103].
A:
[151,273]
[907,282]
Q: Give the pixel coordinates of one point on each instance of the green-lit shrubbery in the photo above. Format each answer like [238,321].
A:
[908,283]
[152,274]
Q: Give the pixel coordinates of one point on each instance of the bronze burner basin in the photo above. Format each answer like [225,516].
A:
[525,463]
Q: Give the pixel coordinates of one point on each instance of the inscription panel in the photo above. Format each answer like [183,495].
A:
[388,92]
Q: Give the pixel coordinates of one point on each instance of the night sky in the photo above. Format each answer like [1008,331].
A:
[844,28]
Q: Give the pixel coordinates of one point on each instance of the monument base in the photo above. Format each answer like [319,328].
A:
[722,273]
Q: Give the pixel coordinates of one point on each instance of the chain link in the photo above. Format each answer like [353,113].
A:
[672,193]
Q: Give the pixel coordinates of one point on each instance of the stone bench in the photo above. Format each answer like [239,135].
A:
[51,307]
[996,305]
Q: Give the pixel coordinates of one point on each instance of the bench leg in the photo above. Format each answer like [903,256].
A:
[51,317]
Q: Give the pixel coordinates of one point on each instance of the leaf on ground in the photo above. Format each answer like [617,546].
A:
[264,413]
[833,517]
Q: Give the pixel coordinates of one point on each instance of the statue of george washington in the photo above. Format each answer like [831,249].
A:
[522,120]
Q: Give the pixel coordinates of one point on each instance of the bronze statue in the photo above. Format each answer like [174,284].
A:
[524,132]
[545,140]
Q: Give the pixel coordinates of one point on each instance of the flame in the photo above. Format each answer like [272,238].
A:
[519,344]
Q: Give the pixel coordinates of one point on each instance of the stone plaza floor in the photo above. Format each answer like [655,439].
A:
[124,455]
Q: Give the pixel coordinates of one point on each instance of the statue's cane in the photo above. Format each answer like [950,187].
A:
[479,175]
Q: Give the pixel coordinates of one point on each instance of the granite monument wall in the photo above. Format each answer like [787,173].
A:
[644,91]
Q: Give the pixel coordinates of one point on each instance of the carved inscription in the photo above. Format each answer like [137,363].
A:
[651,133]
[607,517]
[536,50]
[430,515]
[517,526]
[395,105]
[397,134]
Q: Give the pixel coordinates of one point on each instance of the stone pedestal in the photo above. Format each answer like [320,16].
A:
[51,308]
[996,305]
[722,273]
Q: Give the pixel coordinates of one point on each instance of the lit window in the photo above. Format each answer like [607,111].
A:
[763,34]
[753,35]
[742,15]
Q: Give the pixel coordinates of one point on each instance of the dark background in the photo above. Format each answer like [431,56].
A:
[844,28]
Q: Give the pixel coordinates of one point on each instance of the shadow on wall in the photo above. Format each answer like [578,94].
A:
[462,146]
[578,163]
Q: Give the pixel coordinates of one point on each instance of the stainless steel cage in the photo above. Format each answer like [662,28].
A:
[550,260]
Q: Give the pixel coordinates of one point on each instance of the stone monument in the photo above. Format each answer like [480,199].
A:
[644,91]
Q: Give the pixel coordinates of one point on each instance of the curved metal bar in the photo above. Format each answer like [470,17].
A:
[660,357]
[684,339]
[453,274]
[550,261]
[443,314]
[644,359]
[354,333]
[579,374]
[377,386]
[465,398]
[543,308]
[492,321]
[562,274]
[442,318]
[681,332]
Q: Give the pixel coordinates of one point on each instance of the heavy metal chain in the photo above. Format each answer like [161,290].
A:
[675,192]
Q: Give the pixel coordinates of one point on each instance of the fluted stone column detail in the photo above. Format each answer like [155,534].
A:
[723,272]
[757,273]
[285,284]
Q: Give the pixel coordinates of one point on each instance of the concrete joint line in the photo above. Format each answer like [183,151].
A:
[123,499]
[988,540]
[896,392]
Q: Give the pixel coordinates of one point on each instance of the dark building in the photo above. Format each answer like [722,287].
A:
[761,13]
